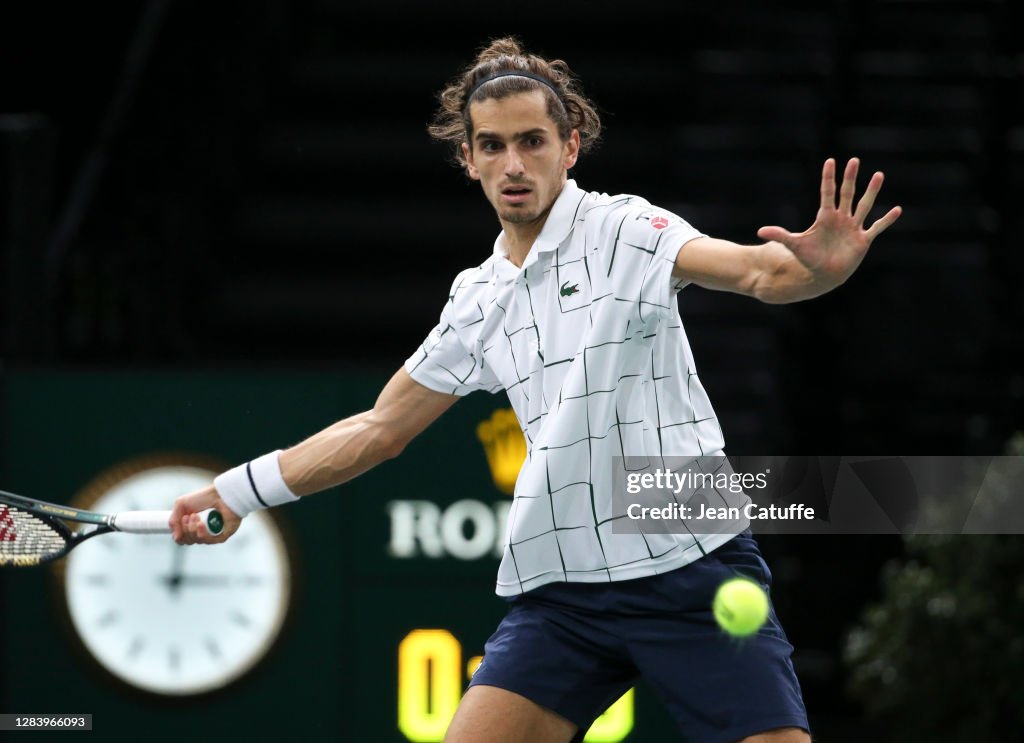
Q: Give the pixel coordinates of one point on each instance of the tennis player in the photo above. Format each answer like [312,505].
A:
[574,316]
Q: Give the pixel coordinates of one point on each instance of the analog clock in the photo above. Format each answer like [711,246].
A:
[168,619]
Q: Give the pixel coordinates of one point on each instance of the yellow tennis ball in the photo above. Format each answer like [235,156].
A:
[740,607]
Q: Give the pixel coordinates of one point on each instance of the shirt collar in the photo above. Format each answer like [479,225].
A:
[557,226]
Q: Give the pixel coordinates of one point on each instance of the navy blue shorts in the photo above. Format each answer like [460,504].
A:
[575,648]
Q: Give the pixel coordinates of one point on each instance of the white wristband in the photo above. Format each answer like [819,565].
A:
[255,485]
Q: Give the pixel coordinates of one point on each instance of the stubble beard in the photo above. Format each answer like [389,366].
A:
[517,216]
[522,214]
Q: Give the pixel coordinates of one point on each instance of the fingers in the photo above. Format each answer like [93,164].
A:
[194,531]
[198,529]
[185,530]
[186,525]
[867,201]
[775,233]
[178,513]
[847,192]
[186,505]
[884,223]
[849,186]
[828,185]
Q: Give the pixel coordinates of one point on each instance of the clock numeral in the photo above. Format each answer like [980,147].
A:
[136,647]
[239,543]
[108,619]
[173,658]
[240,619]
[211,645]
[99,581]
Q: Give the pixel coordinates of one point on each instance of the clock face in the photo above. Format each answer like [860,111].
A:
[169,619]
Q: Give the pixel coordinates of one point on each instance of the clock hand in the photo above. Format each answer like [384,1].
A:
[176,581]
[173,581]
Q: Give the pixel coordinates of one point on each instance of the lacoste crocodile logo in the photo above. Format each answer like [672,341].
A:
[568,291]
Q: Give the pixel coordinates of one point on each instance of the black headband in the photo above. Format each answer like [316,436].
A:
[515,73]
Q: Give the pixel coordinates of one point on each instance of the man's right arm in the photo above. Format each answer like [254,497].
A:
[335,455]
[356,444]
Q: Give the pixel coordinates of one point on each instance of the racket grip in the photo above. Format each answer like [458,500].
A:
[158,522]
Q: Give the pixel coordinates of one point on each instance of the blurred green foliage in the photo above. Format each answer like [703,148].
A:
[941,656]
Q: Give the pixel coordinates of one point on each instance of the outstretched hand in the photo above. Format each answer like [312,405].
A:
[833,247]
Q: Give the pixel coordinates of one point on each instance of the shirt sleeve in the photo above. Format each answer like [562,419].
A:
[444,364]
[640,246]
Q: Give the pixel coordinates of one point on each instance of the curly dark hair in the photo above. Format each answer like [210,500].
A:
[569,109]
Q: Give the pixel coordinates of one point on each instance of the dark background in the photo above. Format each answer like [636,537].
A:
[237,187]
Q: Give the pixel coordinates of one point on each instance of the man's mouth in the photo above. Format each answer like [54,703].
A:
[515,194]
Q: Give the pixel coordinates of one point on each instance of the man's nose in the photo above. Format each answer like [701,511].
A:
[513,163]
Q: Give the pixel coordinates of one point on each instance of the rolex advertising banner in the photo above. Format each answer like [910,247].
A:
[358,613]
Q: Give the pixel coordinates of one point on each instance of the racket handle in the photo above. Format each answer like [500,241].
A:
[158,522]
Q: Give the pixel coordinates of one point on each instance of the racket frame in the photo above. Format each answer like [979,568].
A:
[51,514]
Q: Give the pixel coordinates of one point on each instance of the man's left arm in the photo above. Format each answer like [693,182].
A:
[793,266]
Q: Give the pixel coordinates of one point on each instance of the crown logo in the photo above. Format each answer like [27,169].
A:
[504,446]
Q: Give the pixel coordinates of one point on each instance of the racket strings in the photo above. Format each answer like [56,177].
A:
[26,539]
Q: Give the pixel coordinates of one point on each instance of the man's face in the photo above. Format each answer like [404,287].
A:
[517,155]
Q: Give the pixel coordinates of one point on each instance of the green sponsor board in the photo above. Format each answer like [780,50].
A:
[393,573]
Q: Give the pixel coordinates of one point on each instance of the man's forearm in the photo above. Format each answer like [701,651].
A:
[359,443]
[768,272]
[337,454]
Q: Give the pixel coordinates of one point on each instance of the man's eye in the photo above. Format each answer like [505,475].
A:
[491,146]
[534,141]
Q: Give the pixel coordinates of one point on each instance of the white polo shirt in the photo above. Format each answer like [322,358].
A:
[587,341]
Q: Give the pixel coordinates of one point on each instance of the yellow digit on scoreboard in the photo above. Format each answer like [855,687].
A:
[429,683]
[430,687]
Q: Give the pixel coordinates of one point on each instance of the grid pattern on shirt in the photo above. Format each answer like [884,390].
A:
[587,341]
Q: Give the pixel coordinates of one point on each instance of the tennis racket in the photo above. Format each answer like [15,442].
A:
[32,532]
